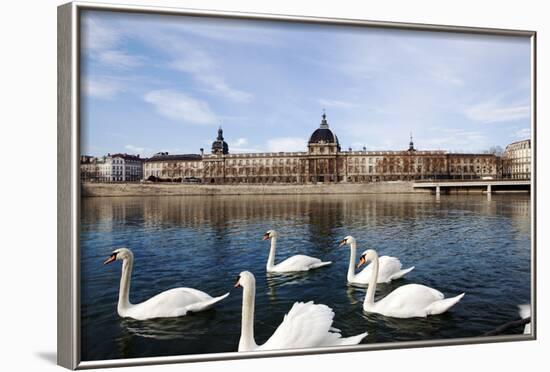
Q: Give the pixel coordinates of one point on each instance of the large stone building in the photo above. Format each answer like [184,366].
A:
[517,160]
[322,161]
[175,168]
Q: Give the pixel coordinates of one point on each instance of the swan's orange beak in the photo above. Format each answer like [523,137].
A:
[361,262]
[266,237]
[110,259]
[237,285]
[342,242]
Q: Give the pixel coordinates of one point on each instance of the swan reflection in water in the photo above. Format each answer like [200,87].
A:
[192,326]
[276,281]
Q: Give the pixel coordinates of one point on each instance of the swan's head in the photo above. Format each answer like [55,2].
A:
[119,254]
[245,279]
[347,240]
[270,234]
[368,255]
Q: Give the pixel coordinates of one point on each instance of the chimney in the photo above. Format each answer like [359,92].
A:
[202,151]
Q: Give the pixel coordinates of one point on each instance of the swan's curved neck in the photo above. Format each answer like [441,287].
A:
[352,258]
[247,342]
[124,293]
[271,258]
[369,299]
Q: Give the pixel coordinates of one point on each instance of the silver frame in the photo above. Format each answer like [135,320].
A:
[68,181]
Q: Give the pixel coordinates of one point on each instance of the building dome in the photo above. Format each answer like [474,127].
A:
[219,146]
[323,134]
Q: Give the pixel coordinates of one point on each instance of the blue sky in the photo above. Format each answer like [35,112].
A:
[163,83]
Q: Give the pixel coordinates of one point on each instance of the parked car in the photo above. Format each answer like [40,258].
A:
[191,180]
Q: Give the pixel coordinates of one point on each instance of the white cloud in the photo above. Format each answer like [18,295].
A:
[118,58]
[228,31]
[286,144]
[241,145]
[101,88]
[179,106]
[493,112]
[458,139]
[240,142]
[103,44]
[204,70]
[144,151]
[97,36]
[446,75]
[333,103]
[219,86]
[522,133]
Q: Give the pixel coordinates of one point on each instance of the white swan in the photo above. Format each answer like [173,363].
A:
[295,263]
[170,303]
[408,301]
[305,325]
[525,312]
[389,267]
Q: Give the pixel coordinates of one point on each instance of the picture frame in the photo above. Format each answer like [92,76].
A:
[69,187]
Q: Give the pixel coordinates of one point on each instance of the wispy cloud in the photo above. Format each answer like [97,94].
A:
[286,144]
[98,36]
[334,103]
[138,150]
[241,145]
[103,44]
[101,88]
[179,106]
[522,133]
[119,58]
[444,74]
[240,142]
[457,138]
[228,31]
[202,67]
[495,112]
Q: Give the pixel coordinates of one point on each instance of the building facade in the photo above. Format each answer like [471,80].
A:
[517,160]
[175,168]
[111,168]
[325,162]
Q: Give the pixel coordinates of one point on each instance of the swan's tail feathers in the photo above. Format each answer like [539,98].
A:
[353,340]
[200,306]
[219,298]
[402,273]
[321,264]
[439,307]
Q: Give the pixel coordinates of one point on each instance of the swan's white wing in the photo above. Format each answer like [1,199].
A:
[299,262]
[407,301]
[439,307]
[387,267]
[305,325]
[203,305]
[170,303]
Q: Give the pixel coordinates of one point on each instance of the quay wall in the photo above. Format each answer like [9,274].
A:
[174,189]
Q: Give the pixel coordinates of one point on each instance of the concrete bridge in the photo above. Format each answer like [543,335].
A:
[488,186]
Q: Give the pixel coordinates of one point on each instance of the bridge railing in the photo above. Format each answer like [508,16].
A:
[440,180]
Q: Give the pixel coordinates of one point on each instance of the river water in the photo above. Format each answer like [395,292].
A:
[458,243]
